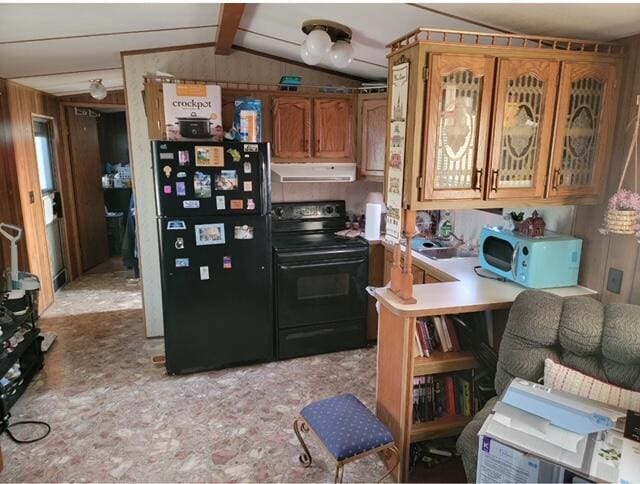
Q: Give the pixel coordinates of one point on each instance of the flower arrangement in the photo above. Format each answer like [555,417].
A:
[622,214]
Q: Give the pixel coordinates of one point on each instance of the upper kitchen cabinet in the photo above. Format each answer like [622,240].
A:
[458,114]
[586,105]
[498,120]
[372,121]
[292,127]
[333,128]
[522,127]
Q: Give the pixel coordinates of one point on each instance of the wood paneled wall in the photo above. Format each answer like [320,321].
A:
[19,161]
[600,253]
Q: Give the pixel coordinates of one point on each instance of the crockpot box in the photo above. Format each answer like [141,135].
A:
[193,112]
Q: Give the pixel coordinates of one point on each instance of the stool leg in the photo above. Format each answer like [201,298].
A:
[300,425]
[339,473]
[393,450]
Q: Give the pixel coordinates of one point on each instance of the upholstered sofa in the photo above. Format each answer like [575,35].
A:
[602,340]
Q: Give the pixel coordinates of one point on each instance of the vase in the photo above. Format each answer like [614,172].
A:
[622,222]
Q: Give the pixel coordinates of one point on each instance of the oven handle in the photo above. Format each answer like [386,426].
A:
[514,261]
[321,264]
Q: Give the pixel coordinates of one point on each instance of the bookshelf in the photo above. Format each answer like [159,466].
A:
[397,367]
[442,427]
[440,362]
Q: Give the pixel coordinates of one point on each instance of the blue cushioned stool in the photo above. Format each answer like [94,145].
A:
[347,429]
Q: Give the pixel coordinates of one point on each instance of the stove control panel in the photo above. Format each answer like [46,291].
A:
[308,210]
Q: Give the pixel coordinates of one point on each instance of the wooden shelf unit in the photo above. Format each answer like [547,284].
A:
[440,362]
[442,427]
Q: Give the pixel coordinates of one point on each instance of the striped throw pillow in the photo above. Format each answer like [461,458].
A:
[572,381]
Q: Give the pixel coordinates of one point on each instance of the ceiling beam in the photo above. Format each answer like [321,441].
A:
[230,15]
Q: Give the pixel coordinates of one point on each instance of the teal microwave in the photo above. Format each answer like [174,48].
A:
[552,260]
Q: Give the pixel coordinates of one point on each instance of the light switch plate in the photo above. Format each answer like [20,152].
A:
[614,281]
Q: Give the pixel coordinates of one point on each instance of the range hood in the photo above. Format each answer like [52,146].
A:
[313,172]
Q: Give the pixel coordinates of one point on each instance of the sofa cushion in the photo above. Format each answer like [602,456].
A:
[345,426]
[571,381]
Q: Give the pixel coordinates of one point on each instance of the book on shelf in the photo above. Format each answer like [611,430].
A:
[443,395]
[437,333]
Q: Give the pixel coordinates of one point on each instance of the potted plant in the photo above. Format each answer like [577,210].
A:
[622,214]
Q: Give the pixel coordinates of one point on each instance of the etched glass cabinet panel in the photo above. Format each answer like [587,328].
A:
[585,104]
[458,104]
[523,120]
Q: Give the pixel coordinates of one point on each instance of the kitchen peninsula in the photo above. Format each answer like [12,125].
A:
[462,291]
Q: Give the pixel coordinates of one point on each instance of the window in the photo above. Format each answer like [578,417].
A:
[44,155]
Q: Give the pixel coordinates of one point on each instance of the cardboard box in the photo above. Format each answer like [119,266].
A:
[193,112]
[558,438]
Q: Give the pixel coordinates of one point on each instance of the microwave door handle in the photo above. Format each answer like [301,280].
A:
[514,261]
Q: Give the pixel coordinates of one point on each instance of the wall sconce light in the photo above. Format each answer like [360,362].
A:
[326,38]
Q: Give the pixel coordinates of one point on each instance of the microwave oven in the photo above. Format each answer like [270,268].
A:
[552,260]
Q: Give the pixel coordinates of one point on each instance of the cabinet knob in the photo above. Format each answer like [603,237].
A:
[556,178]
[477,184]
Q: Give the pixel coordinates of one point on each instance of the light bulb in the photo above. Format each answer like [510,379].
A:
[306,56]
[341,54]
[97,89]
[318,43]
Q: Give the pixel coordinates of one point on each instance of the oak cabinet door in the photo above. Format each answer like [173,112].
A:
[522,127]
[374,130]
[457,113]
[333,128]
[586,103]
[291,127]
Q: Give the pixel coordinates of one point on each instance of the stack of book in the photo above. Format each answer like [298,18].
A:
[436,333]
[444,395]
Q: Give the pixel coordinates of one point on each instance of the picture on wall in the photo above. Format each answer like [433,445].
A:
[210,234]
[227,180]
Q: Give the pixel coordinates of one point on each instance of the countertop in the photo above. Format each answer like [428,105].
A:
[463,290]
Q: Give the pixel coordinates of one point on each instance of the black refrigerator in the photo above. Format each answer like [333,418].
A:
[213,209]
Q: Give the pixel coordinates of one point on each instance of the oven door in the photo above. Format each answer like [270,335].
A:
[316,288]
[500,256]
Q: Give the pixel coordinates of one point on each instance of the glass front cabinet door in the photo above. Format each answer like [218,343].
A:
[522,128]
[458,113]
[586,103]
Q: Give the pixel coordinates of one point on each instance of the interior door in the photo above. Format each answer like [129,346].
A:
[87,170]
[291,127]
[52,205]
[458,113]
[333,128]
[522,126]
[586,102]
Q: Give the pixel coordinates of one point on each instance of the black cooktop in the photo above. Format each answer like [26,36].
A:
[288,242]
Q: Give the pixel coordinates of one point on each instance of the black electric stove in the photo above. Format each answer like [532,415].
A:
[320,280]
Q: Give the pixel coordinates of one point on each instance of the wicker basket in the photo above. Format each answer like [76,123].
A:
[622,222]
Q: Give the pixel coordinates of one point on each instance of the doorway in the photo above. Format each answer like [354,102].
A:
[100,170]
[52,204]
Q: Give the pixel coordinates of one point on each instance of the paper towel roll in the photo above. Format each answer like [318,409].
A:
[372,224]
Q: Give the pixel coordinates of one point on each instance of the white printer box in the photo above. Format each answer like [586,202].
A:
[559,438]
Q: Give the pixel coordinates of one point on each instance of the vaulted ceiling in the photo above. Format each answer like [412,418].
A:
[58,47]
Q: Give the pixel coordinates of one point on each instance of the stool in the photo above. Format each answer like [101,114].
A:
[347,429]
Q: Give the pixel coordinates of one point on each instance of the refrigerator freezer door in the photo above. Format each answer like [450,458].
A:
[216,276]
[193,178]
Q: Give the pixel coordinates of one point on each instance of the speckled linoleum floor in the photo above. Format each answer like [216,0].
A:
[116,417]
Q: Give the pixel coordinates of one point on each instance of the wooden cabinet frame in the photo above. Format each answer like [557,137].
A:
[320,136]
[290,102]
[440,65]
[508,69]
[416,176]
[366,104]
[571,71]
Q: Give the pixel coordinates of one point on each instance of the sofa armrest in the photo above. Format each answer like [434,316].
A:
[467,444]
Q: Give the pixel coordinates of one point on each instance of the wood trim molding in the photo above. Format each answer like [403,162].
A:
[230,16]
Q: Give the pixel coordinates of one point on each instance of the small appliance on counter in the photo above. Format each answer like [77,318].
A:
[552,260]
[320,280]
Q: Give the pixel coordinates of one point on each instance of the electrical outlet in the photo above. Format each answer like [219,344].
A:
[614,281]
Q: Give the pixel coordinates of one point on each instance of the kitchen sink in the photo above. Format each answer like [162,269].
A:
[439,253]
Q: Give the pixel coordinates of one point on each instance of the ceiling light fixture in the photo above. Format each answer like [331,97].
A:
[326,37]
[97,89]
